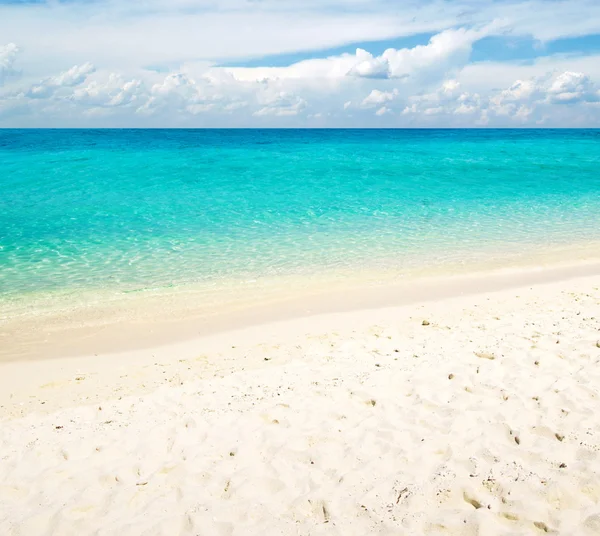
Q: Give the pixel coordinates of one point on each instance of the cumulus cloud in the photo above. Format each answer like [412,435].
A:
[177,93]
[570,87]
[321,68]
[449,98]
[282,104]
[369,66]
[523,98]
[162,65]
[113,92]
[8,56]
[383,111]
[521,89]
[530,101]
[236,105]
[67,79]
[74,76]
[446,51]
[377,97]
[423,85]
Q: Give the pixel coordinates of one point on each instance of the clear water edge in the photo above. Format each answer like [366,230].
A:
[101,305]
[108,218]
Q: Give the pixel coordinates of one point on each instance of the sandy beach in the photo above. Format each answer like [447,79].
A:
[468,415]
[276,268]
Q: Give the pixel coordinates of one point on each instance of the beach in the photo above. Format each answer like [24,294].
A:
[300,268]
[262,332]
[474,413]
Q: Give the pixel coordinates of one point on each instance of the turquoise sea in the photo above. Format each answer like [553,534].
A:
[128,210]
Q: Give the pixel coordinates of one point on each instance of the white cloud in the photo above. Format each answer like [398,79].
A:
[532,101]
[84,92]
[370,67]
[232,106]
[171,32]
[377,97]
[521,89]
[281,105]
[177,93]
[447,99]
[67,79]
[432,84]
[445,52]
[95,113]
[8,56]
[113,92]
[200,108]
[74,76]
[466,109]
[167,32]
[450,86]
[523,97]
[434,111]
[570,87]
[488,76]
[523,113]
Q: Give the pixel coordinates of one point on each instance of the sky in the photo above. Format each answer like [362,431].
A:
[300,63]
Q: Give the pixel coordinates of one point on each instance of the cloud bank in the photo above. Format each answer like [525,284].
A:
[110,79]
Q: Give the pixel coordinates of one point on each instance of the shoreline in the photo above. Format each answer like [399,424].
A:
[156,320]
[462,415]
[24,383]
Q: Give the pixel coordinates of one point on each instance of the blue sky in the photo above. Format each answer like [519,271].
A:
[497,48]
[293,63]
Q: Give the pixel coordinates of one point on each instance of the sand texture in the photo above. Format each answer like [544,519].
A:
[471,416]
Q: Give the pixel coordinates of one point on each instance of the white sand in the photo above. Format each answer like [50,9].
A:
[484,422]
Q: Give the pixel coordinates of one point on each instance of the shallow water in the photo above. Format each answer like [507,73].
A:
[119,211]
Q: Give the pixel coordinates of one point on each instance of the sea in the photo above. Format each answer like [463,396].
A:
[89,215]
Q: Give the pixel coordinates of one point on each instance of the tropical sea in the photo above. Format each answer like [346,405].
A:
[93,215]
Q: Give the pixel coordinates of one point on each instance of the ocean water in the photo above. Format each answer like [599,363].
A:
[129,210]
